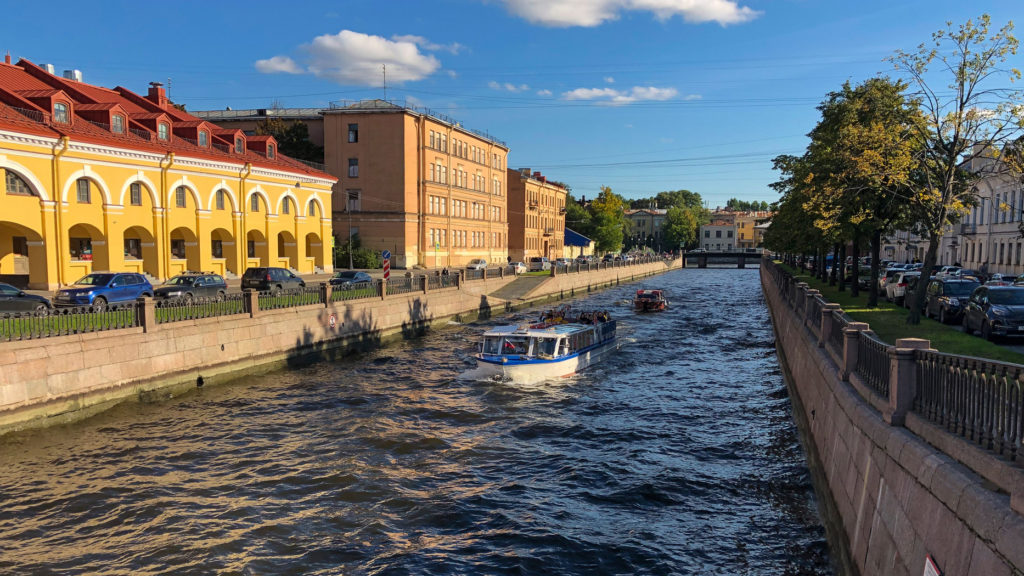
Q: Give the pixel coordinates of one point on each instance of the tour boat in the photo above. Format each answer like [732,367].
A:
[560,345]
[649,301]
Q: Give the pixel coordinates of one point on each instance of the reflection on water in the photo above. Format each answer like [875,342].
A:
[675,455]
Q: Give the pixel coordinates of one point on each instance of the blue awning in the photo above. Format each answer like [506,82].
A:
[576,239]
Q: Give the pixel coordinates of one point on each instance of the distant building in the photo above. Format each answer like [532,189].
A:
[720,235]
[536,216]
[748,234]
[647,224]
[248,120]
[577,244]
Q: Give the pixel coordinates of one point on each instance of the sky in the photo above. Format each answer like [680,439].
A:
[642,96]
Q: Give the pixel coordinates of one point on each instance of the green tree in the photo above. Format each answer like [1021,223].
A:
[681,227]
[292,139]
[608,218]
[968,120]
[577,217]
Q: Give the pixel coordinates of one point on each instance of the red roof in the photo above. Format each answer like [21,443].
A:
[25,80]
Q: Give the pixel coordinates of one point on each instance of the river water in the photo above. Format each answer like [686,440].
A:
[675,455]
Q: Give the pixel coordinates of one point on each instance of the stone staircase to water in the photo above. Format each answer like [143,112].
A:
[519,288]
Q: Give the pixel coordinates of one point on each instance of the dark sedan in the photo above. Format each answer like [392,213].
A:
[350,279]
[16,300]
[191,286]
[995,311]
[946,298]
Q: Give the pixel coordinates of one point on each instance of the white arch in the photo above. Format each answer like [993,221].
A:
[140,177]
[289,194]
[189,186]
[89,175]
[231,193]
[258,191]
[26,175]
[319,203]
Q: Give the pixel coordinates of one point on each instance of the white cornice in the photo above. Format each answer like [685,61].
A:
[29,139]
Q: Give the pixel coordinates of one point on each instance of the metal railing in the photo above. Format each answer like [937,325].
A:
[814,308]
[873,362]
[979,400]
[65,321]
[403,285]
[178,309]
[440,281]
[835,340]
[278,299]
[355,292]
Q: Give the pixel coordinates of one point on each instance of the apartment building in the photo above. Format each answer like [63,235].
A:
[97,179]
[417,184]
[718,236]
[647,227]
[536,217]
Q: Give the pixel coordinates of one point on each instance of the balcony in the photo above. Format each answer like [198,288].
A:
[549,231]
[533,205]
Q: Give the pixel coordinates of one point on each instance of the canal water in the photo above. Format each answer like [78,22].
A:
[675,455]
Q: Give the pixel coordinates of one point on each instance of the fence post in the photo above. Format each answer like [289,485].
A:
[483,274]
[809,295]
[851,347]
[383,288]
[251,302]
[501,272]
[426,283]
[325,293]
[145,311]
[902,379]
[458,279]
[825,323]
[800,305]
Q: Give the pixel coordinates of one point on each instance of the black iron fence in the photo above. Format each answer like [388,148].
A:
[873,363]
[65,321]
[178,309]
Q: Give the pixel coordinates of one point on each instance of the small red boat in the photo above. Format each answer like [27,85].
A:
[649,301]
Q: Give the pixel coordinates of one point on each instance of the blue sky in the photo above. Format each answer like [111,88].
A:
[638,95]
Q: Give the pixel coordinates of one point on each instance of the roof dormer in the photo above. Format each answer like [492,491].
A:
[109,114]
[265,145]
[235,140]
[156,122]
[200,132]
[56,102]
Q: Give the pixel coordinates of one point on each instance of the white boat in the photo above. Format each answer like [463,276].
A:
[558,346]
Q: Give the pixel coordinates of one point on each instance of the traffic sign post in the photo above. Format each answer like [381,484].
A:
[387,264]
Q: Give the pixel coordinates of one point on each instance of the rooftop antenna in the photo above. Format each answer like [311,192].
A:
[168,88]
[385,69]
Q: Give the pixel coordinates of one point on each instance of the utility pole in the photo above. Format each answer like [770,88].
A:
[385,69]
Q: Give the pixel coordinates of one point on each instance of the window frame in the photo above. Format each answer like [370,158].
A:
[353,133]
[83,193]
[180,200]
[204,139]
[117,124]
[353,167]
[135,194]
[61,113]
[163,131]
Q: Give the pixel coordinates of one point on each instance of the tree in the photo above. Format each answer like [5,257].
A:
[292,139]
[577,217]
[681,227]
[608,217]
[971,118]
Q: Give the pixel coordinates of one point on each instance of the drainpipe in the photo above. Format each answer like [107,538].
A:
[59,148]
[243,264]
[165,165]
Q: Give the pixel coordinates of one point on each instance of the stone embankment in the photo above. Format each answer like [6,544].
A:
[915,453]
[57,379]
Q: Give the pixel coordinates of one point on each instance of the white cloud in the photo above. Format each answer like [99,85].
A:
[692,97]
[278,64]
[422,42]
[544,92]
[618,97]
[589,13]
[353,58]
[508,86]
[609,80]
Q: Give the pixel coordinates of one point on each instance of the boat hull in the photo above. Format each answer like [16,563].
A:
[537,370]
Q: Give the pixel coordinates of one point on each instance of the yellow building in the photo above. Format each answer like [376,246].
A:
[748,235]
[536,216]
[416,184]
[98,179]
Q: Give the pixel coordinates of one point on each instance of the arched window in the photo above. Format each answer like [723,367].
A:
[285,208]
[135,193]
[254,203]
[312,208]
[16,185]
[179,196]
[204,138]
[220,199]
[60,113]
[164,131]
[117,124]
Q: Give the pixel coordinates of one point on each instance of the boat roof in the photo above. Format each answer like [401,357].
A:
[549,330]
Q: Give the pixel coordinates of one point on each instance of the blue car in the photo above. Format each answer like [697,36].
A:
[102,289]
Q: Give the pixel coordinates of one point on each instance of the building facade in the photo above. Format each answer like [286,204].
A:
[646,225]
[748,234]
[536,216]
[718,236]
[107,180]
[419,185]
[248,120]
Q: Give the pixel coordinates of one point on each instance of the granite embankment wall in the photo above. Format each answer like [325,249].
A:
[893,502]
[57,379]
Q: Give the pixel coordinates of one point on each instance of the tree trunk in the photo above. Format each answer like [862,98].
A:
[840,265]
[926,273]
[876,248]
[835,260]
[855,253]
[822,268]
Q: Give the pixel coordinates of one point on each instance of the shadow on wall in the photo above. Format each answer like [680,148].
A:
[418,320]
[348,335]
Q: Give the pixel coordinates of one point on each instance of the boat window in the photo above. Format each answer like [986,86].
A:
[514,346]
[492,346]
[545,346]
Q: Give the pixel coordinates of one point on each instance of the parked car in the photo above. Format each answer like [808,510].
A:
[350,279]
[518,267]
[998,279]
[539,263]
[895,288]
[612,257]
[884,279]
[995,311]
[582,260]
[946,298]
[947,271]
[477,264]
[968,273]
[563,262]
[17,300]
[908,293]
[268,279]
[102,289]
[192,286]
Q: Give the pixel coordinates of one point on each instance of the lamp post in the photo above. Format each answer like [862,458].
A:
[348,208]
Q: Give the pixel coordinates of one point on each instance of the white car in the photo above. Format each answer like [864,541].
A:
[477,264]
[896,288]
[518,267]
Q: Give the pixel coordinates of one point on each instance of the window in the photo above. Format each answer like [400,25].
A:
[353,167]
[135,194]
[81,248]
[432,145]
[60,113]
[312,208]
[220,199]
[270,151]
[177,248]
[251,248]
[729,233]
[117,124]
[21,246]
[16,185]
[83,191]
[353,200]
[707,233]
[217,248]
[239,145]
[286,206]
[163,131]
[353,132]
[254,203]
[179,197]
[718,233]
[133,248]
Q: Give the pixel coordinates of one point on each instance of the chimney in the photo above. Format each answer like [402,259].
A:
[7,58]
[157,95]
[75,75]
[49,68]
[525,172]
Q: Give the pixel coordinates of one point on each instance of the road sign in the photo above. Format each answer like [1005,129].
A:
[387,269]
[387,254]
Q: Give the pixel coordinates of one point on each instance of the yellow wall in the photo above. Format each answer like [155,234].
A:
[54,216]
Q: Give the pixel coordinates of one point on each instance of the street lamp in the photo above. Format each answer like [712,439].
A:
[348,208]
